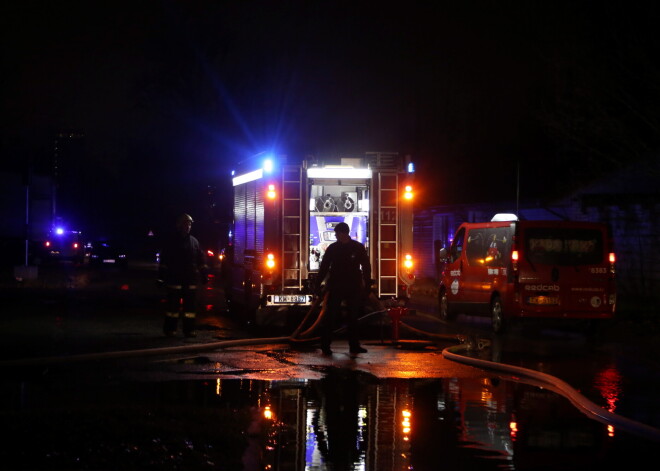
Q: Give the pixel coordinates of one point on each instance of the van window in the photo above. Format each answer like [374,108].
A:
[564,246]
[474,252]
[457,246]
[489,247]
[498,246]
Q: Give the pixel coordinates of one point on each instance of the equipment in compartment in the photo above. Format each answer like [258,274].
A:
[348,201]
[334,199]
[329,204]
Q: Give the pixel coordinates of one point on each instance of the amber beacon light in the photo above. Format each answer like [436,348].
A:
[408,192]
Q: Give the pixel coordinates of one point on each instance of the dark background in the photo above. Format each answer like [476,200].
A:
[171,94]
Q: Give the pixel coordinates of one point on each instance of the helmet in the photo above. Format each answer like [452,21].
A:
[183,218]
[342,227]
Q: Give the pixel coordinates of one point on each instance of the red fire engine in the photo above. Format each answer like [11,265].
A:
[284,219]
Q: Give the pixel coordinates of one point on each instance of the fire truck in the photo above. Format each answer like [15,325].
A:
[284,219]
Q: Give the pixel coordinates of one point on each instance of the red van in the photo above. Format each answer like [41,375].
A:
[509,269]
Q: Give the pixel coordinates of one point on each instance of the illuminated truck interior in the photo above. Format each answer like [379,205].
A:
[332,202]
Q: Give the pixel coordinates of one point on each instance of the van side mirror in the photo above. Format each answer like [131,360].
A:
[442,255]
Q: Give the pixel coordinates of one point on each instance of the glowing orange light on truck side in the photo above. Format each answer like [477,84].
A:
[408,262]
[408,192]
[270,261]
[271,193]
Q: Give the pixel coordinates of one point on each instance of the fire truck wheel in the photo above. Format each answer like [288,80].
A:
[497,315]
[443,307]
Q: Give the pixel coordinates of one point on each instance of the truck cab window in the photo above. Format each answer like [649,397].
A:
[457,246]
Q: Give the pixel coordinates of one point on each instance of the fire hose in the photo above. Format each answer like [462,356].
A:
[556,385]
[546,381]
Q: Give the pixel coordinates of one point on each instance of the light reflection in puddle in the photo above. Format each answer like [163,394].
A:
[346,421]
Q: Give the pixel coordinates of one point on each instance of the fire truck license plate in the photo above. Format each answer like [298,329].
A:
[290,299]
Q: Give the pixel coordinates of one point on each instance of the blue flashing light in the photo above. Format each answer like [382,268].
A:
[59,231]
[411,167]
[268,165]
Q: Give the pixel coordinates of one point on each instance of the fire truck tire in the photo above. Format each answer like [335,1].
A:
[443,307]
[497,315]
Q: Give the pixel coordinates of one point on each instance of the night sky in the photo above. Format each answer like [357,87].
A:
[169,94]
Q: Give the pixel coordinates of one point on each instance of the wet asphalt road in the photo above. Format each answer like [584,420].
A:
[82,316]
[94,336]
[74,315]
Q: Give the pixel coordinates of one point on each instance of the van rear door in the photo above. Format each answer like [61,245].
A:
[564,270]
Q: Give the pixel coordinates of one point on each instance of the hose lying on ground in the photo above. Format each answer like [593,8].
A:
[304,336]
[536,378]
[543,380]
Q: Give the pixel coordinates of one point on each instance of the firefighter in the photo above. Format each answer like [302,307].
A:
[182,268]
[347,266]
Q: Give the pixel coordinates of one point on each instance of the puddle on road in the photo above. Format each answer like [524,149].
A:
[346,421]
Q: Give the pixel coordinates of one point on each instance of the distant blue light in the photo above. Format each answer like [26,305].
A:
[411,167]
[59,231]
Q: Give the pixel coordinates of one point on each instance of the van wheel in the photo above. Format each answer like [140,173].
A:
[443,306]
[497,315]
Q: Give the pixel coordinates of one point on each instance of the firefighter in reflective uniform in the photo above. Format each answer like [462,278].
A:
[182,268]
[348,268]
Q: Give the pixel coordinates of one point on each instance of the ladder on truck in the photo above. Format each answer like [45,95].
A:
[291,227]
[388,243]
